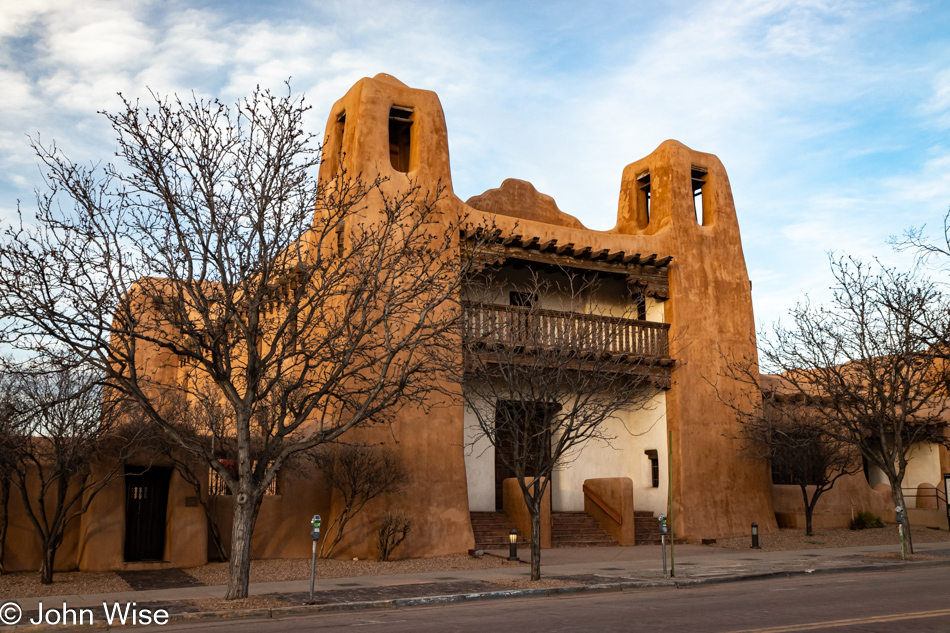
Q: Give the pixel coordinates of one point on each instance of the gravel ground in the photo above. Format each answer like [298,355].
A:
[27,584]
[787,539]
[278,570]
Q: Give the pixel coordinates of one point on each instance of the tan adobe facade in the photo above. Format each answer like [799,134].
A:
[676,240]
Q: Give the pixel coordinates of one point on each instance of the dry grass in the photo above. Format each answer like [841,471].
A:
[27,584]
[279,570]
[788,539]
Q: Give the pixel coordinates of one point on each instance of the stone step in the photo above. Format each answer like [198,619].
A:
[578,529]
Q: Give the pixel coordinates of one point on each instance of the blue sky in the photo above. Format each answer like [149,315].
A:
[831,117]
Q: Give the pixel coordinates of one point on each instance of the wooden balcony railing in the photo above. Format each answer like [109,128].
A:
[529,328]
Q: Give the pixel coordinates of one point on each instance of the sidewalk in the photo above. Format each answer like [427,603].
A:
[589,569]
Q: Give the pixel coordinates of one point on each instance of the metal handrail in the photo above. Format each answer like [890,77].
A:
[937,493]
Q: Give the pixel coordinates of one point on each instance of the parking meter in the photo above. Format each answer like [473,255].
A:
[315,527]
[900,514]
[314,534]
[663,531]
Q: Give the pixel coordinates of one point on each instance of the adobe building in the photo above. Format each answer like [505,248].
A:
[676,245]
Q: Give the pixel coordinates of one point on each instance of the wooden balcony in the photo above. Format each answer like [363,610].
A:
[488,327]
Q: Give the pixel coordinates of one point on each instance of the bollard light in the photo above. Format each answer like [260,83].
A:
[755,536]
[513,545]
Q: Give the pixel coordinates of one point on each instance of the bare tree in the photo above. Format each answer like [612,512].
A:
[9,448]
[783,428]
[209,257]
[4,517]
[393,530]
[63,447]
[541,383]
[359,473]
[870,368]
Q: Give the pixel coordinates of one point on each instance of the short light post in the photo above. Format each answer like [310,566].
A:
[513,545]
[755,536]
[899,511]
[663,530]
[315,535]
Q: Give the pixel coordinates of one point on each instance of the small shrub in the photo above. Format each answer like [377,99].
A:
[864,520]
[392,532]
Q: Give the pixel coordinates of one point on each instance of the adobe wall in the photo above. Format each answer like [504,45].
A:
[717,492]
[23,547]
[835,508]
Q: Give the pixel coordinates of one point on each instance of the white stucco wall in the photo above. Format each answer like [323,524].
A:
[634,433]
[479,466]
[625,456]
[923,466]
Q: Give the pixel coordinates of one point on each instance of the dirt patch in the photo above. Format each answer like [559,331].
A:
[789,539]
[897,556]
[252,602]
[526,583]
[27,584]
[284,569]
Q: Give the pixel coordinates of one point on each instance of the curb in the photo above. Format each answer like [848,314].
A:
[394,603]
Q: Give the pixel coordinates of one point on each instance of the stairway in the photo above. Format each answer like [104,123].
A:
[578,529]
[492,530]
[646,529]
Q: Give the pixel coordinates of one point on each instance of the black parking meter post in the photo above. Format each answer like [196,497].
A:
[315,535]
[946,487]
[663,531]
[899,512]
[755,536]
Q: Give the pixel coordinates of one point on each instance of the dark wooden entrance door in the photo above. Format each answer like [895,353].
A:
[521,429]
[146,502]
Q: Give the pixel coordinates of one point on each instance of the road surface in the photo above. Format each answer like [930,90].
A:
[913,600]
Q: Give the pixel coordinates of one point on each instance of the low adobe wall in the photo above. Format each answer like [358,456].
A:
[609,500]
[517,510]
[850,494]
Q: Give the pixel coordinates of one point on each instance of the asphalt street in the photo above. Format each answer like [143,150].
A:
[908,600]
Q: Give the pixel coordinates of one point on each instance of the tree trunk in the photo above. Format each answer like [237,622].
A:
[4,518]
[239,564]
[49,560]
[536,542]
[898,494]
[809,510]
[215,534]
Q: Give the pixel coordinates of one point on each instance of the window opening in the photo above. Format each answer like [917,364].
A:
[340,128]
[400,137]
[339,239]
[798,465]
[654,467]
[643,182]
[698,177]
[218,486]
